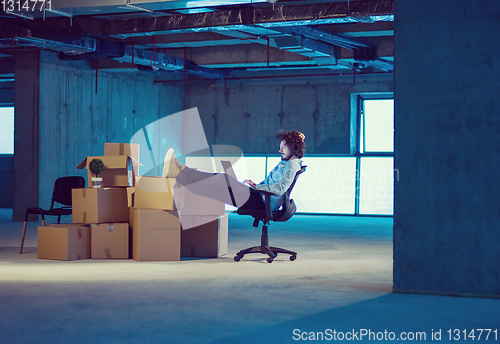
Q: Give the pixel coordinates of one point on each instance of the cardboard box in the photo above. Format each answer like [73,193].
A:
[99,205]
[110,240]
[154,193]
[194,204]
[64,242]
[130,196]
[156,235]
[204,239]
[117,170]
[128,149]
[130,224]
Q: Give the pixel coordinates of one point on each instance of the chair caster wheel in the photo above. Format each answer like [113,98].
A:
[269,260]
[237,258]
[275,255]
[292,258]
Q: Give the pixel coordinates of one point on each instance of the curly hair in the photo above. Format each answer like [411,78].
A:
[294,140]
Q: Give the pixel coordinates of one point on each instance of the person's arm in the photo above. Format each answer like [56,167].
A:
[249,182]
[279,180]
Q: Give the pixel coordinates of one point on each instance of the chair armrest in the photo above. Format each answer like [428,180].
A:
[267,195]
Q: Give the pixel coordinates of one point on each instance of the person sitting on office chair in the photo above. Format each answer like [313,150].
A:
[215,185]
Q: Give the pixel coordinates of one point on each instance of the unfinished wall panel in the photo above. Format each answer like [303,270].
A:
[248,114]
[75,122]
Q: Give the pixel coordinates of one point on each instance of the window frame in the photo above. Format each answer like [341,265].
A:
[356,121]
[8,105]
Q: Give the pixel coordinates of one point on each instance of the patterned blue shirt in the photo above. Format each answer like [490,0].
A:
[279,180]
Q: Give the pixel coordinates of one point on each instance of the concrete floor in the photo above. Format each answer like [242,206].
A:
[341,280]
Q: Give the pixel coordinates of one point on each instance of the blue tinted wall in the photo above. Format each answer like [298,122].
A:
[447,96]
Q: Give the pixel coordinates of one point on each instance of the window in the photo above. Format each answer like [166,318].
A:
[377,126]
[376,186]
[375,155]
[6,130]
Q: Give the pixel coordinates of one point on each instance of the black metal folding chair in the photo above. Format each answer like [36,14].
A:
[61,195]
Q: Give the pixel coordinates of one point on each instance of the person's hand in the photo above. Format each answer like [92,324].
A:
[249,182]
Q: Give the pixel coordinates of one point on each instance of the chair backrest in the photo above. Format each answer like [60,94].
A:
[62,189]
[289,207]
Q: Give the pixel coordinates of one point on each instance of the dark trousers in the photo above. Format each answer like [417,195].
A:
[215,186]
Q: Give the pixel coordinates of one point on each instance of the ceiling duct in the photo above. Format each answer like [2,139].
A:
[321,52]
[324,36]
[362,52]
[234,19]
[101,49]
[91,48]
[81,46]
[382,64]
[146,58]
[168,63]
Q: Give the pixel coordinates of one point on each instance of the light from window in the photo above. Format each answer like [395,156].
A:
[327,186]
[376,187]
[377,126]
[6,130]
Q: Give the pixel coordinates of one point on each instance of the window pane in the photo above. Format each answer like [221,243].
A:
[327,186]
[6,130]
[271,163]
[378,125]
[376,192]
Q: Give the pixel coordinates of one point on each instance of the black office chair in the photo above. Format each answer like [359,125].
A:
[284,214]
[62,195]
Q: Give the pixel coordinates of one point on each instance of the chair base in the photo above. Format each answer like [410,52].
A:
[271,251]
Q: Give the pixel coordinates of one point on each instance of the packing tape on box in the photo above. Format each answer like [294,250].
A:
[121,149]
[79,230]
[84,217]
[79,257]
[107,252]
[110,228]
[84,193]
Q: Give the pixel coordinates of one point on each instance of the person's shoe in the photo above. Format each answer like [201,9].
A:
[170,165]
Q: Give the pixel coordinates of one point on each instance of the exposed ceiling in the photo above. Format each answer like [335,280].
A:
[208,39]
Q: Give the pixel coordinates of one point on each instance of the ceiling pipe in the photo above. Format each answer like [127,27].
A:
[276,77]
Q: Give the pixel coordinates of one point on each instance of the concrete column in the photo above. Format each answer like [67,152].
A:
[447,96]
[26,102]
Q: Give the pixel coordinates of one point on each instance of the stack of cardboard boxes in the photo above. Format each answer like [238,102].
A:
[146,218]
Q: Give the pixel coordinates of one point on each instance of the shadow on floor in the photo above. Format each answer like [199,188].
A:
[392,317]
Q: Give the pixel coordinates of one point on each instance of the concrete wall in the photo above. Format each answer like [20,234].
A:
[248,113]
[74,121]
[447,124]
[7,93]
[26,103]
[7,178]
